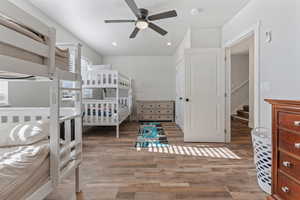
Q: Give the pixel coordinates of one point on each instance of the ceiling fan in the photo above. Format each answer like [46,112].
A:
[144,21]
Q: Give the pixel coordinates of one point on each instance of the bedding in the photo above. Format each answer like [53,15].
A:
[23,168]
[61,55]
[23,133]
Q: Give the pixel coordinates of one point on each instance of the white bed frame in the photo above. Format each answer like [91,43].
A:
[119,107]
[55,113]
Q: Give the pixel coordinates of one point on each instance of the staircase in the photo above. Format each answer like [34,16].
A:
[242,115]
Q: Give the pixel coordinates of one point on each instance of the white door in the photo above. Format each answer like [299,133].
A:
[205,89]
[180,90]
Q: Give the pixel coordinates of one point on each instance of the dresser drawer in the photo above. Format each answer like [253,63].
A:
[289,120]
[287,188]
[146,112]
[164,105]
[165,117]
[148,117]
[164,112]
[146,106]
[289,141]
[289,164]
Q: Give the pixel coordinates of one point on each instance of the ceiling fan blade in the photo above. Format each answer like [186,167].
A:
[134,33]
[119,21]
[157,29]
[163,15]
[132,5]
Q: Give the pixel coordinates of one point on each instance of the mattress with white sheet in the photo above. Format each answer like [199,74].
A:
[25,158]
[23,169]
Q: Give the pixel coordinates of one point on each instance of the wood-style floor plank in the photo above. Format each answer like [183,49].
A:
[113,169]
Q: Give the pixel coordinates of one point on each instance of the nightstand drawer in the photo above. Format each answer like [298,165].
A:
[289,141]
[287,189]
[289,165]
[289,120]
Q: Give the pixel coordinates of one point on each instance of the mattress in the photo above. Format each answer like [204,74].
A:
[23,169]
[62,55]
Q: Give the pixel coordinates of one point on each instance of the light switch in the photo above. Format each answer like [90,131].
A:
[269,36]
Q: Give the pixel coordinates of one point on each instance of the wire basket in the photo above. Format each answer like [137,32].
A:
[262,147]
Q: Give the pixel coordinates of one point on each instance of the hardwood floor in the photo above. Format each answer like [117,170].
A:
[240,133]
[113,169]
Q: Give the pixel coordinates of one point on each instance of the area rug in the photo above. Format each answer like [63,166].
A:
[151,135]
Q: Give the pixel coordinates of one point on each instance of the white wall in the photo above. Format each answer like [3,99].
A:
[186,43]
[239,76]
[239,70]
[206,38]
[198,38]
[279,62]
[153,76]
[33,94]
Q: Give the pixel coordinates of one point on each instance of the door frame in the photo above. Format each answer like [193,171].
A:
[253,31]
[220,92]
[177,63]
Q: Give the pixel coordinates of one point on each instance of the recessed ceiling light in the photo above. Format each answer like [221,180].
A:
[196,11]
[169,44]
[114,44]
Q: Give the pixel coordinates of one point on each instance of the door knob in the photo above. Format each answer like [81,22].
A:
[180,98]
[187,99]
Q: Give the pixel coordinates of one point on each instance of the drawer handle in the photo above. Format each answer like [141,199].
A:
[297,145]
[297,123]
[287,164]
[285,189]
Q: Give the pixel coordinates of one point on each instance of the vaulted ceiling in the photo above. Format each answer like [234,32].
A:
[85,19]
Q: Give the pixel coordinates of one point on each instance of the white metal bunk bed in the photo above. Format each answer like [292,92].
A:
[110,111]
[64,140]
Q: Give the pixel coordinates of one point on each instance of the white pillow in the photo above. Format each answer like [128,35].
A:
[23,133]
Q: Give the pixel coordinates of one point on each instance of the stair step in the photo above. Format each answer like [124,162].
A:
[242,113]
[240,119]
[246,108]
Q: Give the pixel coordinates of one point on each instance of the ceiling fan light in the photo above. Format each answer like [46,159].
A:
[141,24]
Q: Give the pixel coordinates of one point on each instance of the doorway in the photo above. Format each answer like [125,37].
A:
[242,94]
[242,86]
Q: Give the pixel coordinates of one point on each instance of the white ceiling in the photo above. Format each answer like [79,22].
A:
[84,18]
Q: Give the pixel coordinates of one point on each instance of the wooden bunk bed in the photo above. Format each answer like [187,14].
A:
[108,111]
[58,153]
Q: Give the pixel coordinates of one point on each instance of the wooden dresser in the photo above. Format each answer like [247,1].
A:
[286,150]
[155,110]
